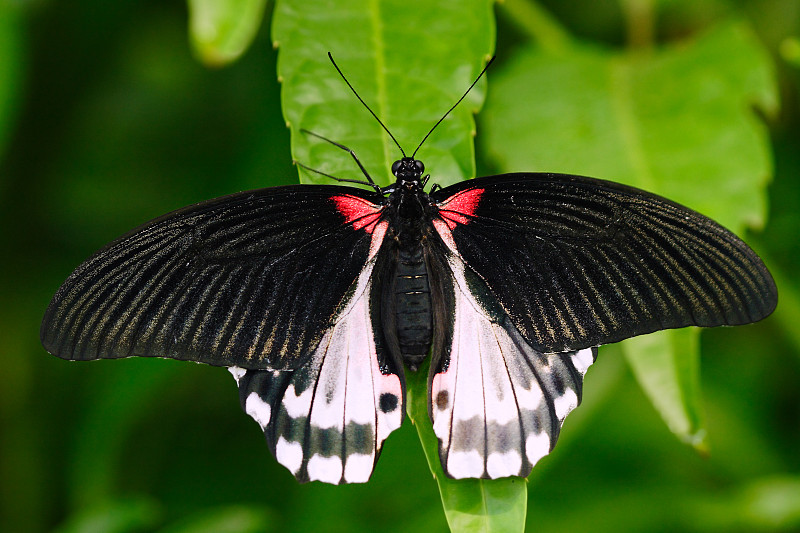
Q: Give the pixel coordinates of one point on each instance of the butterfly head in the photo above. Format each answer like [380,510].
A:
[408,169]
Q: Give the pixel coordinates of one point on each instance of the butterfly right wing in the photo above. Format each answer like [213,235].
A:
[576,262]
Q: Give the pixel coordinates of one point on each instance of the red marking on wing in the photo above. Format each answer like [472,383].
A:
[460,207]
[358,212]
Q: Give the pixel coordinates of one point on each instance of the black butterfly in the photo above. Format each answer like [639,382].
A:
[316,296]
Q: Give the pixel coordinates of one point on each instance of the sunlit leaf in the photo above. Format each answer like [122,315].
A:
[666,365]
[373,42]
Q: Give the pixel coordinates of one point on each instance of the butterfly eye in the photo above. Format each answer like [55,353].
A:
[396,166]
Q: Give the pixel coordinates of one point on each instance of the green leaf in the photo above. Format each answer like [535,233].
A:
[677,121]
[470,504]
[221,30]
[667,366]
[409,62]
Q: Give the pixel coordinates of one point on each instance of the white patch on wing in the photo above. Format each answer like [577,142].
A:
[258,409]
[565,403]
[498,403]
[468,464]
[289,454]
[537,445]
[358,468]
[327,469]
[582,360]
[297,405]
[377,238]
[237,373]
[504,464]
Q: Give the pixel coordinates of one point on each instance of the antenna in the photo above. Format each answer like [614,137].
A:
[330,56]
[365,104]
[449,110]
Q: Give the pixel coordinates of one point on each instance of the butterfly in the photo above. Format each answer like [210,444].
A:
[318,298]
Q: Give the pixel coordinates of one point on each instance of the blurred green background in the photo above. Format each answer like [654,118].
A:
[108,119]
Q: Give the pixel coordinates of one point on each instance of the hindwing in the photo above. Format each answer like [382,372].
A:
[327,420]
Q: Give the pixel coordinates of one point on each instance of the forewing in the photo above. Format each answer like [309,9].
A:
[252,280]
[328,419]
[577,262]
[497,404]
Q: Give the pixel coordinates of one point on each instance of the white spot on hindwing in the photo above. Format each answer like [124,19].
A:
[582,360]
[537,445]
[237,373]
[327,469]
[289,454]
[504,464]
[358,468]
[297,405]
[462,465]
[258,409]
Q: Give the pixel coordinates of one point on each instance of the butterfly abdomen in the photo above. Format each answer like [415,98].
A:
[412,306]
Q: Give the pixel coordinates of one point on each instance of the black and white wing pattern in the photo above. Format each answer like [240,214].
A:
[326,421]
[543,268]
[275,283]
[497,404]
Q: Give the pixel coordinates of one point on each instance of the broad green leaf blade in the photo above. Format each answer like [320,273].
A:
[666,364]
[470,504]
[677,121]
[221,30]
[409,62]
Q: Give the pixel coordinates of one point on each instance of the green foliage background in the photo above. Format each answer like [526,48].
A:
[109,116]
